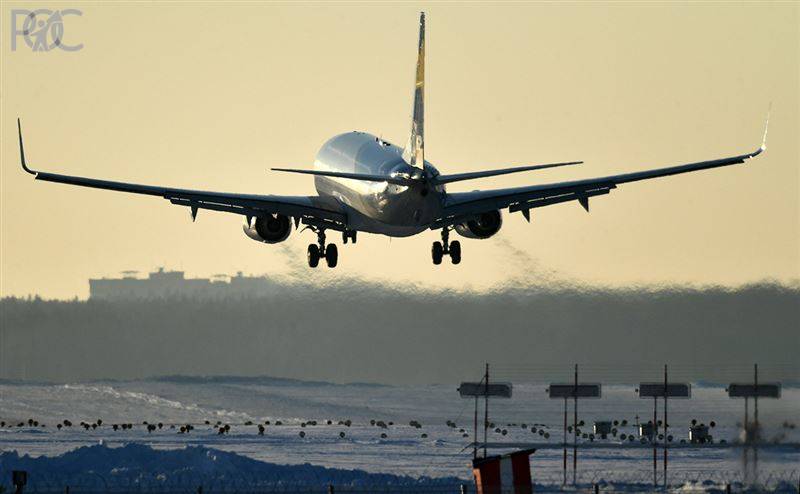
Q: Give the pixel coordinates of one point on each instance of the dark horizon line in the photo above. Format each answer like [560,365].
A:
[400,287]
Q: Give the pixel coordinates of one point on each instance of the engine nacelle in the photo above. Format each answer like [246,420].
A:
[484,226]
[269,229]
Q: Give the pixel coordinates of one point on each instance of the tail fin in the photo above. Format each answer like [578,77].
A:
[414,152]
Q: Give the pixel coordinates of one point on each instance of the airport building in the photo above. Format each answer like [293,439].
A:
[163,284]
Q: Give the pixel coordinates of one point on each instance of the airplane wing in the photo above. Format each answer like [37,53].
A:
[313,208]
[463,206]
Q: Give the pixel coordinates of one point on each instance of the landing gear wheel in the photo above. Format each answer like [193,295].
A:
[455,252]
[437,251]
[331,255]
[313,256]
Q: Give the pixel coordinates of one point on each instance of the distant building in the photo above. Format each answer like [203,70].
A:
[647,431]
[163,284]
[602,428]
[698,434]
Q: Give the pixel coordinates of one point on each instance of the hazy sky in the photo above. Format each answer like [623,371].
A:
[210,96]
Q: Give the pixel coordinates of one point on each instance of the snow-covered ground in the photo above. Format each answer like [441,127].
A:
[435,450]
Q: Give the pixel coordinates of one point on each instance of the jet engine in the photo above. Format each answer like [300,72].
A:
[269,229]
[483,226]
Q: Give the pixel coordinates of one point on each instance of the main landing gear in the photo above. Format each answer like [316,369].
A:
[446,248]
[349,235]
[317,251]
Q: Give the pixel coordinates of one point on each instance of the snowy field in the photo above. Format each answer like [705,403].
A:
[434,450]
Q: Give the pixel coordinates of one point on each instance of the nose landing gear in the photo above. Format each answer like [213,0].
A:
[445,247]
[315,252]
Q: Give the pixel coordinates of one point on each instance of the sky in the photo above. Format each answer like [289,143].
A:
[210,96]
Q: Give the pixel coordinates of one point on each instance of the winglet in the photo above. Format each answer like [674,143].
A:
[766,128]
[763,146]
[22,150]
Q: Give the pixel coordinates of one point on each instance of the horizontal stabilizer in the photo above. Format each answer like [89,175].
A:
[446,179]
[354,176]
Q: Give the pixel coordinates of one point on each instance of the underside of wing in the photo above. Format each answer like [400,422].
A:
[466,205]
[244,204]
[309,209]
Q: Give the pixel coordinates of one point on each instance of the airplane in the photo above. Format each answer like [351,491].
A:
[367,184]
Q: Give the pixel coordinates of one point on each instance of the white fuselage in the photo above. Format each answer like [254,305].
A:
[377,207]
